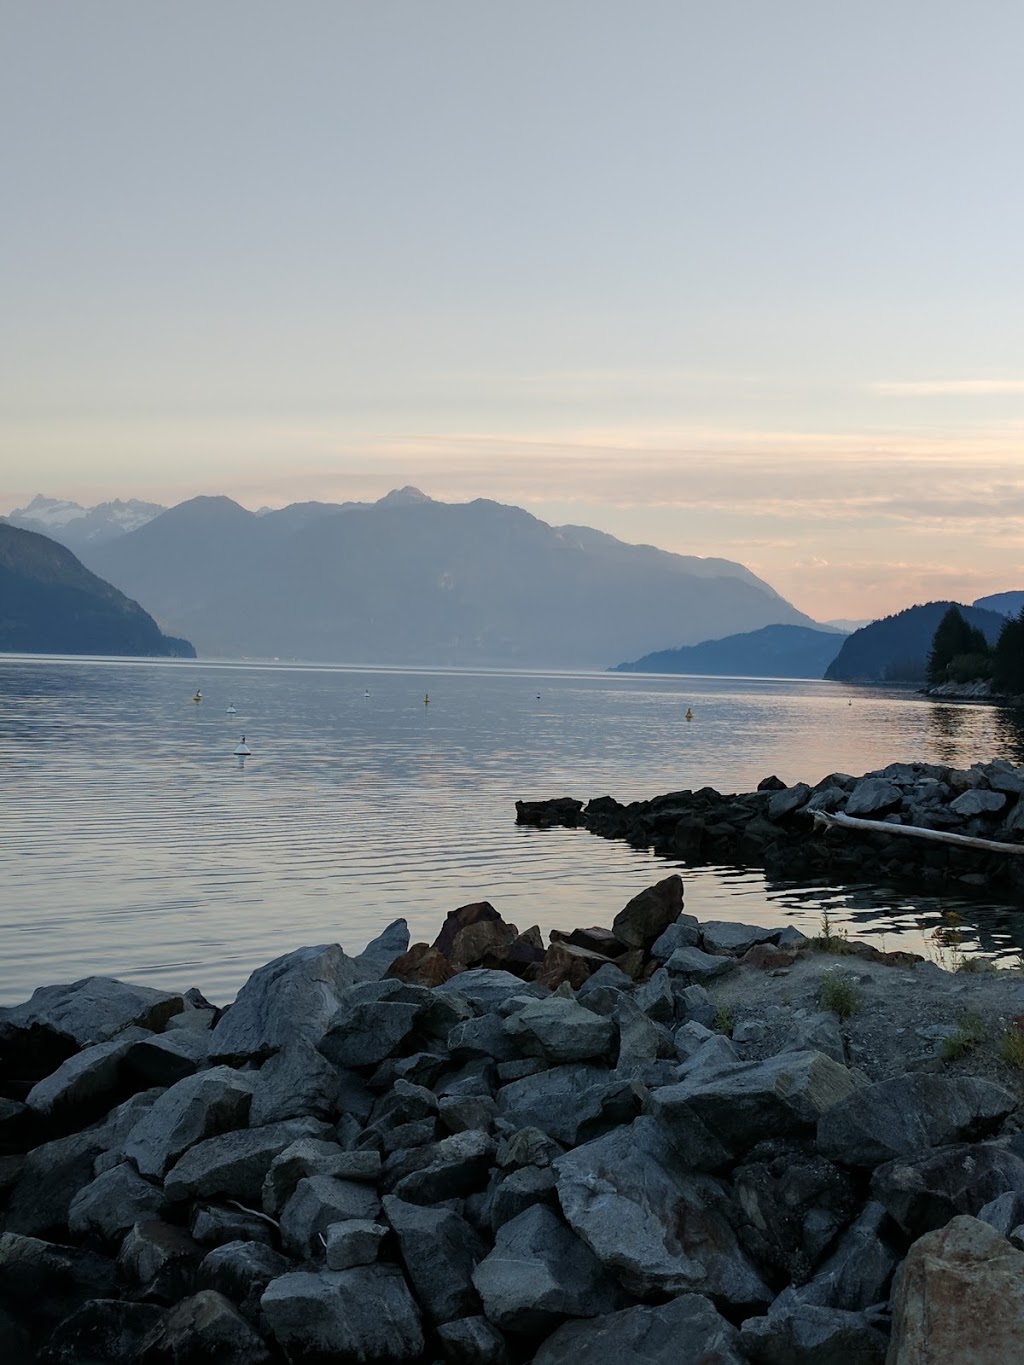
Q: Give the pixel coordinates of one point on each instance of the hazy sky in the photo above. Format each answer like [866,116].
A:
[734,277]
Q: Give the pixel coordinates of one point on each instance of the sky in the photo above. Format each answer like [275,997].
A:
[735,278]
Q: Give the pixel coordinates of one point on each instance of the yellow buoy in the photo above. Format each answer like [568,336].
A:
[689,714]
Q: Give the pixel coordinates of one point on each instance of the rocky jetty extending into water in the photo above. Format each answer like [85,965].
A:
[662,1140]
[775,828]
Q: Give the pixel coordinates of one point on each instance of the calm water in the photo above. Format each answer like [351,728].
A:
[133,843]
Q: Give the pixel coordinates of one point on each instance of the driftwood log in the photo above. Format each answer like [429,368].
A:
[841,821]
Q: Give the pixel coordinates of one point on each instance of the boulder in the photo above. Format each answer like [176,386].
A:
[164,1058]
[539,1273]
[57,1021]
[725,936]
[318,1201]
[857,1274]
[241,1272]
[687,1328]
[295,1082]
[235,1165]
[365,1315]
[484,1036]
[978,802]
[213,1226]
[570,964]
[314,1156]
[159,1260]
[110,1205]
[788,801]
[805,1334]
[646,917]
[41,1282]
[356,1241]
[371,1022]
[873,796]
[450,1169]
[569,1103]
[683,932]
[472,932]
[922,1193]
[293,997]
[959,1297]
[486,988]
[440,1252]
[101,1330]
[904,1115]
[693,964]
[560,1030]
[206,1326]
[473,1341]
[518,1191]
[421,966]
[49,1180]
[818,1032]
[658,1226]
[87,1085]
[378,955]
[195,1108]
[738,1104]
[640,1039]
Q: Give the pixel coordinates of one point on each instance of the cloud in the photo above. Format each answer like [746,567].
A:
[947,388]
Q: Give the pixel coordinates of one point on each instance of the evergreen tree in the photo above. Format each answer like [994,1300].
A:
[953,638]
[1008,670]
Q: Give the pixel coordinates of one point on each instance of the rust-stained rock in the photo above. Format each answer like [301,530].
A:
[958,1296]
[767,956]
[597,940]
[566,962]
[421,966]
[523,956]
[471,932]
[647,916]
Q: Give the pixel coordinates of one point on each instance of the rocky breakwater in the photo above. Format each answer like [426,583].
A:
[663,1140]
[774,827]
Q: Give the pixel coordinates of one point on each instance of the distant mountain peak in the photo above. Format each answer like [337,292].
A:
[50,511]
[402,496]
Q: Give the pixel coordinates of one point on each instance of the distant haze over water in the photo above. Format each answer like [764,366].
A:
[133,843]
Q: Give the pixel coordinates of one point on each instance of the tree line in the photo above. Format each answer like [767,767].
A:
[960,653]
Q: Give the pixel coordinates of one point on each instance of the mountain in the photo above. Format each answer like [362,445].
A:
[80,527]
[1006,603]
[51,604]
[409,580]
[771,652]
[895,649]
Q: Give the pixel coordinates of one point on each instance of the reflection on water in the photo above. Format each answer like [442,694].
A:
[133,842]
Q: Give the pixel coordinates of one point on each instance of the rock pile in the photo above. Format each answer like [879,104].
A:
[488,1152]
[774,827]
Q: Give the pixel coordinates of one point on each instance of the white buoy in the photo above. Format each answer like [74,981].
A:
[198,697]
[231,709]
[242,749]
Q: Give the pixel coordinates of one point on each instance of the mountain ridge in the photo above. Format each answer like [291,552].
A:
[781,651]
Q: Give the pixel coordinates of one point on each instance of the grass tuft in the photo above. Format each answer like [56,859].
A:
[969,1033]
[1011,1046]
[839,994]
[831,939]
[723,1020]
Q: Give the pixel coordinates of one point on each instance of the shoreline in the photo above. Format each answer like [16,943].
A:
[722,1141]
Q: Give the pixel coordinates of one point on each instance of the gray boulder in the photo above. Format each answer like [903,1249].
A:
[363,1316]
[818,1032]
[296,1081]
[481,1037]
[164,1058]
[371,1021]
[450,1169]
[39,1034]
[656,998]
[294,996]
[235,1165]
[640,1039]
[356,1241]
[923,1193]
[873,796]
[111,1204]
[473,1341]
[683,932]
[196,1108]
[42,1282]
[159,1261]
[486,989]
[102,1330]
[569,1103]
[859,1271]
[725,936]
[657,1225]
[206,1326]
[518,1191]
[539,1273]
[50,1178]
[687,1328]
[693,964]
[440,1251]
[808,1335]
[241,1272]
[314,1156]
[906,1114]
[978,802]
[318,1201]
[782,804]
[784,1096]
[378,955]
[87,1084]
[560,1030]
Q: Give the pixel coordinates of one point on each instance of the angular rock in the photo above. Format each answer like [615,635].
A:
[858,1273]
[727,936]
[365,1315]
[560,1030]
[318,1201]
[57,1021]
[378,955]
[658,1226]
[906,1114]
[101,1330]
[293,997]
[686,1329]
[213,1226]
[570,964]
[313,1156]
[656,999]
[295,1082]
[42,1282]
[353,1242]
[873,796]
[540,1273]
[683,932]
[463,1113]
[569,1103]
[110,1205]
[924,1193]
[640,1039]
[87,1085]
[646,917]
[784,1095]
[206,1326]
[471,932]
[164,1058]
[196,1108]
[235,1165]
[50,1178]
[609,976]
[695,965]
[160,1260]
[482,1037]
[440,1251]
[787,802]
[473,1341]
[978,802]
[241,1272]
[485,988]
[450,1169]
[808,1335]
[421,966]
[958,1297]
[371,1021]
[519,1191]
[817,1033]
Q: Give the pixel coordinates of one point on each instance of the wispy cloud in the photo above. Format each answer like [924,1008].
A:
[947,388]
